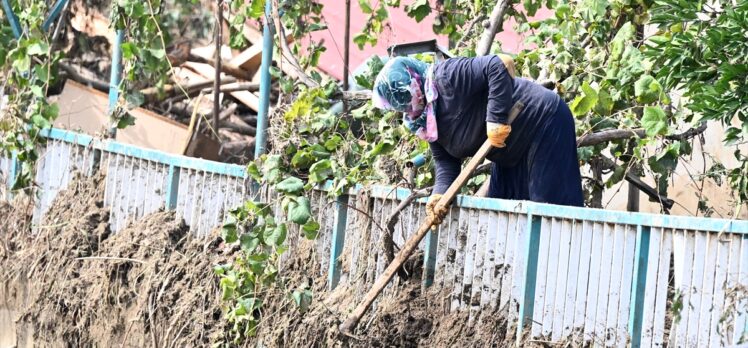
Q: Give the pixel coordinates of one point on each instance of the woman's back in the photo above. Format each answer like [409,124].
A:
[463,85]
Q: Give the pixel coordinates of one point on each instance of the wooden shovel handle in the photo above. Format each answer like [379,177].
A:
[350,323]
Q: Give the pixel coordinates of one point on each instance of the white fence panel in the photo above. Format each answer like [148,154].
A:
[205,199]
[133,188]
[56,166]
[5,169]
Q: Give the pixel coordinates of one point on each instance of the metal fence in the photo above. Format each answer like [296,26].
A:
[605,277]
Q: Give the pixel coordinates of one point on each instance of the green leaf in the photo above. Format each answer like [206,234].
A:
[125,120]
[302,159]
[647,89]
[333,143]
[51,112]
[302,299]
[365,6]
[531,6]
[604,104]
[38,49]
[129,50]
[228,285]
[383,147]
[299,210]
[317,27]
[320,171]
[277,235]
[654,121]
[228,233]
[257,8]
[37,91]
[618,174]
[221,269]
[23,63]
[271,169]
[42,72]
[361,39]
[248,243]
[310,229]
[254,171]
[291,185]
[157,53]
[135,99]
[584,103]
[618,44]
[418,9]
[40,122]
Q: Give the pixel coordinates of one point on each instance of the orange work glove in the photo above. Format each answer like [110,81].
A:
[436,215]
[497,133]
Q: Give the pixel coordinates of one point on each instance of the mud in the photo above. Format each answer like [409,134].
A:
[71,282]
[77,284]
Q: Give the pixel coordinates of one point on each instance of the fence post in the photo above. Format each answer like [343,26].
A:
[638,285]
[742,317]
[429,257]
[338,240]
[172,188]
[530,270]
[13,173]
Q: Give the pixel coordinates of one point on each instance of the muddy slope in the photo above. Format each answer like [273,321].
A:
[77,284]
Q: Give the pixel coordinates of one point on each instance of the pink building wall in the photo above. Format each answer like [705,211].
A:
[401,29]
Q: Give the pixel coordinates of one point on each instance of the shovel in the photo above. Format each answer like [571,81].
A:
[407,250]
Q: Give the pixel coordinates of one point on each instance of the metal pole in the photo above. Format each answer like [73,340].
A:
[267,58]
[54,13]
[347,52]
[15,25]
[114,80]
[217,81]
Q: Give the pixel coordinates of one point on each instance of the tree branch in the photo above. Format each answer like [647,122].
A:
[73,73]
[650,191]
[621,134]
[689,133]
[286,51]
[609,135]
[496,24]
[467,31]
[387,241]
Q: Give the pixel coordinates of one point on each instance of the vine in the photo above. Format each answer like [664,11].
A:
[28,66]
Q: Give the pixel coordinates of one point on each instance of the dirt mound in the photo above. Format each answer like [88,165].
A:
[76,282]
[152,284]
[405,318]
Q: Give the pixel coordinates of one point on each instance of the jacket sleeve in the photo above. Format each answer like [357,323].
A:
[447,168]
[500,86]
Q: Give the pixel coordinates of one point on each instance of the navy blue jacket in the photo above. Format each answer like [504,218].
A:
[473,91]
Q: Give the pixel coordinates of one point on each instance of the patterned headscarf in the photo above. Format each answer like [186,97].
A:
[407,85]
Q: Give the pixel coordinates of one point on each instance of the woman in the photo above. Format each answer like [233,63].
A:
[458,103]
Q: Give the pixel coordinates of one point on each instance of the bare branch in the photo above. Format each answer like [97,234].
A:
[650,191]
[73,72]
[468,31]
[387,241]
[689,133]
[609,135]
[620,134]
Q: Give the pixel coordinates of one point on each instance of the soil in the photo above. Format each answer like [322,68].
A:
[74,283]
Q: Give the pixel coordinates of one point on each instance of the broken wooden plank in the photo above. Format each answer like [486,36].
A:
[246,97]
